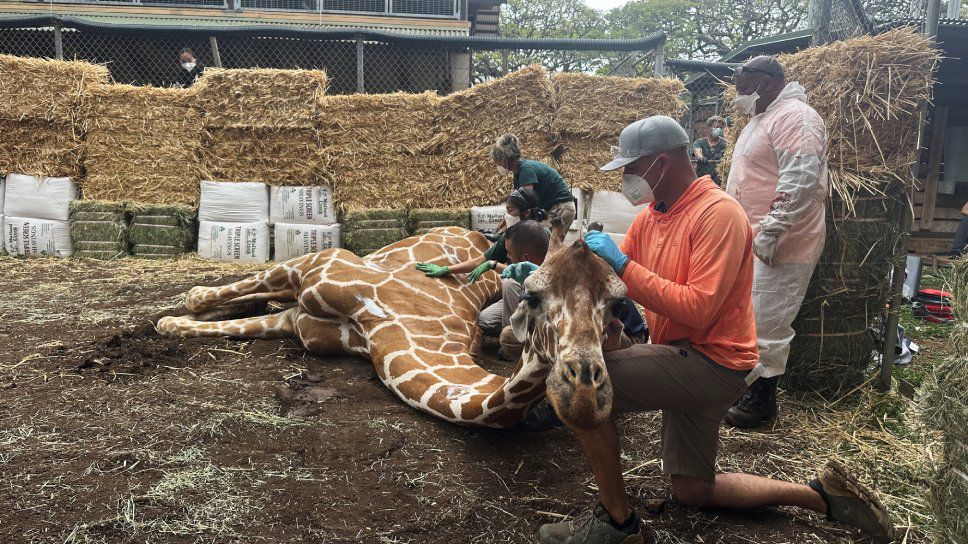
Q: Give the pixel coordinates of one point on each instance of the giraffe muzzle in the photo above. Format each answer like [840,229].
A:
[581,392]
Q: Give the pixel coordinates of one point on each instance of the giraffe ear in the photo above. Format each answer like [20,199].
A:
[558,233]
[521,321]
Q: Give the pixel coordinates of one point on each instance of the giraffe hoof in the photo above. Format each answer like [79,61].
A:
[167,326]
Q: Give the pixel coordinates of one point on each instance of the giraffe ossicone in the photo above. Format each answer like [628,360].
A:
[417,331]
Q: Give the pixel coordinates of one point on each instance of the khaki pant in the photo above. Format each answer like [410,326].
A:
[498,315]
[564,210]
[693,393]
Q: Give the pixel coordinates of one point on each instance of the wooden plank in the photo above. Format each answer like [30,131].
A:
[943,201]
[934,165]
[941,213]
[946,226]
[928,246]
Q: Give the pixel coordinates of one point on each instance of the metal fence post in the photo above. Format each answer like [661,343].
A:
[659,69]
[359,65]
[58,41]
[216,57]
[954,9]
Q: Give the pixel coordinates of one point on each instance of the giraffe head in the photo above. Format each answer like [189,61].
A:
[562,322]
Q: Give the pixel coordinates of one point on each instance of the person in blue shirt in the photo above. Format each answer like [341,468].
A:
[553,194]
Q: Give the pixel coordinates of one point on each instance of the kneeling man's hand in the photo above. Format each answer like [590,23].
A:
[604,247]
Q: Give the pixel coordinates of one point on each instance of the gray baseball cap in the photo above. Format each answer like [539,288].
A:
[645,137]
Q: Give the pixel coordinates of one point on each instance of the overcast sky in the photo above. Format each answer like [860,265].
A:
[605,4]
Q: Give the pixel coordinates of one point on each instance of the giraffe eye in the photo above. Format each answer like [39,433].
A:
[534,300]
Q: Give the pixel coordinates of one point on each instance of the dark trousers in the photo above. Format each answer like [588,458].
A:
[961,237]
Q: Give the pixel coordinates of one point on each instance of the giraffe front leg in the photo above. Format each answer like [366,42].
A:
[280,325]
[277,283]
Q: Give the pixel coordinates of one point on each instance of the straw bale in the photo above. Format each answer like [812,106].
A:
[581,161]
[261,97]
[599,107]
[276,156]
[357,122]
[34,89]
[422,220]
[99,229]
[143,143]
[162,231]
[40,148]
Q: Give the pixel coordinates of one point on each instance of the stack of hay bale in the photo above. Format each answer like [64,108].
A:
[303,220]
[41,125]
[233,222]
[591,113]
[365,231]
[469,122]
[143,144]
[869,100]
[944,408]
[374,145]
[99,229]
[260,125]
[161,231]
[35,215]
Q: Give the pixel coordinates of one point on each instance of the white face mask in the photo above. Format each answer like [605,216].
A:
[188,66]
[511,220]
[747,102]
[636,189]
[502,170]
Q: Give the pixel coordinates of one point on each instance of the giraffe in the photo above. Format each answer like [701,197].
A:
[418,331]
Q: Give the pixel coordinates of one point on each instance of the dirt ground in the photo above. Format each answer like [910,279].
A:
[111,433]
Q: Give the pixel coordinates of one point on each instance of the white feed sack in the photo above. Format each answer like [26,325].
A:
[2,192]
[39,198]
[234,202]
[234,242]
[36,237]
[306,205]
[298,240]
[613,211]
[487,217]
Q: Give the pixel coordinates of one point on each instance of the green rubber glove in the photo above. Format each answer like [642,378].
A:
[433,270]
[480,270]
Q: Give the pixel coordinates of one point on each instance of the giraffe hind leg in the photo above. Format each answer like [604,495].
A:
[277,283]
[280,325]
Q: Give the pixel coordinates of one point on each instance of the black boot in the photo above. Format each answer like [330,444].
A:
[757,405]
[541,418]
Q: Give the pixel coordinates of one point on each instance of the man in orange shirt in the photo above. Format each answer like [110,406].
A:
[688,260]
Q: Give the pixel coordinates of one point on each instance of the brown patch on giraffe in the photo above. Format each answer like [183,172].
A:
[440,402]
[521,387]
[496,399]
[415,387]
[462,375]
[473,408]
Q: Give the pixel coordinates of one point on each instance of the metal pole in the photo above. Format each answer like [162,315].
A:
[216,57]
[897,283]
[359,65]
[954,9]
[504,61]
[58,41]
[659,70]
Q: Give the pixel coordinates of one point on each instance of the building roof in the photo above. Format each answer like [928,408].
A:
[142,16]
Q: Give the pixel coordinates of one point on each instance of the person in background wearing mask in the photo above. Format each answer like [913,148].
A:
[191,69]
[688,259]
[709,150]
[553,194]
[778,175]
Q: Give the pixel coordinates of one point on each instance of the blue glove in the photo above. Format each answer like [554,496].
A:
[519,271]
[604,247]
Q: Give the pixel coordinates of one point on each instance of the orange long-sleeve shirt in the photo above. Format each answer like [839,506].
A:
[691,268]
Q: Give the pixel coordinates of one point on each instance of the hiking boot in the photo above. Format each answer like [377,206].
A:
[851,503]
[541,418]
[510,347]
[592,527]
[756,406]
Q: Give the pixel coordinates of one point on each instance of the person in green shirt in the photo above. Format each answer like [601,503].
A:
[553,193]
[708,151]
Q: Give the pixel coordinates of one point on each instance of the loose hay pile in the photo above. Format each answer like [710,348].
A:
[40,109]
[868,91]
[162,231]
[944,408]
[261,125]
[374,143]
[99,229]
[143,144]
[591,113]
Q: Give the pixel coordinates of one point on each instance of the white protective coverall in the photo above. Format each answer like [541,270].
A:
[779,176]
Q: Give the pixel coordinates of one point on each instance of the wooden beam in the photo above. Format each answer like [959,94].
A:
[934,166]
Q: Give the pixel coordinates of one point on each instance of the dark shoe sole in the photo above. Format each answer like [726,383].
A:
[845,480]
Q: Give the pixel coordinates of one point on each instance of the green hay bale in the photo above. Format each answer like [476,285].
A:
[428,218]
[830,355]
[372,238]
[948,500]
[97,206]
[162,231]
[375,219]
[98,229]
